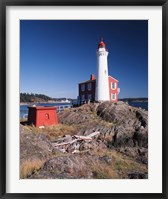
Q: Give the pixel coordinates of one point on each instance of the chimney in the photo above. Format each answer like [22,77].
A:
[92,77]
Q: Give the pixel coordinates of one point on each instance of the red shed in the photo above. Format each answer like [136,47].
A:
[42,115]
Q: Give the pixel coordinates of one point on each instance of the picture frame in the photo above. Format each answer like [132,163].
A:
[3,89]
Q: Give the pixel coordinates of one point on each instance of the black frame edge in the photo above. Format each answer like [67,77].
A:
[85,196]
[164,98]
[3,5]
[85,2]
[3,99]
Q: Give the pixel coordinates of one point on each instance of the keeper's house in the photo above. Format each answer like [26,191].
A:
[87,90]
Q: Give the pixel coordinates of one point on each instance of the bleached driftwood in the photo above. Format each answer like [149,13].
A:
[78,137]
[64,143]
[87,137]
[93,134]
[78,151]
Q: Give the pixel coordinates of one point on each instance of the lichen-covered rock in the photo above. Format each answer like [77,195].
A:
[131,124]
[120,124]
[69,167]
[122,128]
[34,145]
[138,175]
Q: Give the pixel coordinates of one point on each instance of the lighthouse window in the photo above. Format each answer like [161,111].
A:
[113,85]
[89,86]
[83,87]
[113,96]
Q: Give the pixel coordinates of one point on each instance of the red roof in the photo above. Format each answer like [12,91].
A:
[101,44]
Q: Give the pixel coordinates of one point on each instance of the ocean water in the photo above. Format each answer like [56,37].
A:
[62,106]
[143,105]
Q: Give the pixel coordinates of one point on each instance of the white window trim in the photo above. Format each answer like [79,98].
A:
[115,85]
[112,96]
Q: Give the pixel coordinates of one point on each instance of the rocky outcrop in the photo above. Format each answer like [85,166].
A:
[138,175]
[120,124]
[69,167]
[101,131]
[33,146]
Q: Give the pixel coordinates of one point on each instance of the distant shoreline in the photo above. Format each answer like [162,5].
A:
[141,101]
[65,102]
[56,102]
[134,99]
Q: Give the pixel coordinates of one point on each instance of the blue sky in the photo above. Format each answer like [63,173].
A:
[55,55]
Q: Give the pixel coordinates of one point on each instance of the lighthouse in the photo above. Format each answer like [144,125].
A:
[102,78]
[102,88]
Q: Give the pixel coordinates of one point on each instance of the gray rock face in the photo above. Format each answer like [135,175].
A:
[40,146]
[70,167]
[138,175]
[123,129]
[106,159]
[138,153]
[120,124]
[131,124]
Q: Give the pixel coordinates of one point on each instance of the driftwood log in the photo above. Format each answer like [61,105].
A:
[60,143]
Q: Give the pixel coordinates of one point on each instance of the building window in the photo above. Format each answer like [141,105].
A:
[113,85]
[89,86]
[89,96]
[83,87]
[113,96]
[83,97]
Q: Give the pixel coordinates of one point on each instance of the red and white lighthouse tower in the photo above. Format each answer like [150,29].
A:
[102,88]
[102,82]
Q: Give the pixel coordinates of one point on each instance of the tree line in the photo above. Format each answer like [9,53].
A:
[138,99]
[26,97]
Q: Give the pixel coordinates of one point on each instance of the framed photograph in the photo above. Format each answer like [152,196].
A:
[83,99]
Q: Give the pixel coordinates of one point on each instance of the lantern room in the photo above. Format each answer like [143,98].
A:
[42,116]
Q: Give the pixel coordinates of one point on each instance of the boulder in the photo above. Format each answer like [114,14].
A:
[69,167]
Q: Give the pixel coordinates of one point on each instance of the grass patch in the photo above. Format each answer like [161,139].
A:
[30,166]
[53,132]
[101,171]
[119,167]
[128,166]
